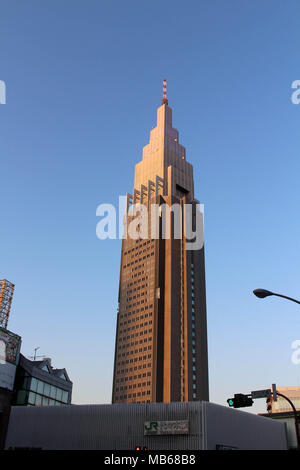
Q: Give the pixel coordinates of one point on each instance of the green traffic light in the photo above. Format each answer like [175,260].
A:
[230,402]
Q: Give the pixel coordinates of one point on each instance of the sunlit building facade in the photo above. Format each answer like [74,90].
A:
[161,337]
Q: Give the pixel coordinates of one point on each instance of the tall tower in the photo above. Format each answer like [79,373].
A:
[6,295]
[161,337]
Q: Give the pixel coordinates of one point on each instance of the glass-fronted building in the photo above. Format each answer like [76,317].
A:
[39,384]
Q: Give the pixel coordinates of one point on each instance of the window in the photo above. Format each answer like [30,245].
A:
[65,396]
[52,391]
[21,397]
[31,398]
[33,385]
[59,394]
[38,400]
[40,387]
[47,390]
[45,401]
[26,382]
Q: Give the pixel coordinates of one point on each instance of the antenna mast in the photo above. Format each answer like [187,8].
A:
[164,100]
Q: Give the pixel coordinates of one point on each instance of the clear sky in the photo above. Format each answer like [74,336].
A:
[84,80]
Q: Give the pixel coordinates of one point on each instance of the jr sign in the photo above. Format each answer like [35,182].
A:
[158,428]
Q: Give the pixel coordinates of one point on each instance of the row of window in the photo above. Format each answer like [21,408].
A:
[136,282]
[143,366]
[30,398]
[138,260]
[132,369]
[193,333]
[135,327]
[132,344]
[133,377]
[134,249]
[125,339]
[141,294]
[136,319]
[136,359]
[132,386]
[48,390]
[43,388]
[139,266]
[126,274]
[130,291]
[130,305]
[135,343]
[142,309]
[134,395]
[141,341]
[150,265]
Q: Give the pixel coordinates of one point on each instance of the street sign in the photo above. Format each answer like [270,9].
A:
[261,393]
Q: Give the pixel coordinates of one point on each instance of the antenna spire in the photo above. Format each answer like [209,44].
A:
[164,100]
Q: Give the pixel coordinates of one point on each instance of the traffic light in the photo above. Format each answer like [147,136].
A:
[240,401]
[230,401]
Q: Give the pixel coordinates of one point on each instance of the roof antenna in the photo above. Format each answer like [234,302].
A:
[164,100]
[35,355]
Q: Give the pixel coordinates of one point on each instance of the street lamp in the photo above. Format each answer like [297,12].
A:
[262,293]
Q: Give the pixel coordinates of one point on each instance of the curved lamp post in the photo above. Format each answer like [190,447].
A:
[262,293]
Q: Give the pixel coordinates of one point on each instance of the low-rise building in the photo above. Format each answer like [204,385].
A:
[155,426]
[39,384]
[281,411]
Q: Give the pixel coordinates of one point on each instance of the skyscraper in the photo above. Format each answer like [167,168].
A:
[161,337]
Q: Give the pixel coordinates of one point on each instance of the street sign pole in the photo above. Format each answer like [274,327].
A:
[274,392]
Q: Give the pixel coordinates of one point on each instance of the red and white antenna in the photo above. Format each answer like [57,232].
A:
[164,100]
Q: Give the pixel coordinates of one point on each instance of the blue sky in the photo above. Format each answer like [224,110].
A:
[84,80]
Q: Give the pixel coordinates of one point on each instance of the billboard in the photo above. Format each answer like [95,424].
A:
[10,344]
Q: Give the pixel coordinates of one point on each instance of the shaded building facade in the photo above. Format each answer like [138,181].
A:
[39,384]
[161,337]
